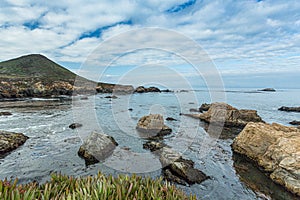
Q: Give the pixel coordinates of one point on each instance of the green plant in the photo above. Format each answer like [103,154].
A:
[96,187]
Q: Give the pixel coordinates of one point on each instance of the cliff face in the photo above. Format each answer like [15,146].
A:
[37,76]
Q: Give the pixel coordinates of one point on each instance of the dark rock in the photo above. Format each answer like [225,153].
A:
[268,90]
[84,98]
[167,90]
[10,141]
[194,110]
[171,119]
[153,126]
[75,125]
[5,113]
[294,122]
[111,97]
[130,109]
[204,107]
[97,147]
[289,109]
[142,89]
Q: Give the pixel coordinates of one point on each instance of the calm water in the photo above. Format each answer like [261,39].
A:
[53,147]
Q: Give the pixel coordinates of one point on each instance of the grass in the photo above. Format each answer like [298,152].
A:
[96,187]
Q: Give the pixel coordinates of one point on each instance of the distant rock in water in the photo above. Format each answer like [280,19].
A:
[294,122]
[289,109]
[75,125]
[111,97]
[171,119]
[153,126]
[142,89]
[5,113]
[167,90]
[276,149]
[10,141]
[268,90]
[97,147]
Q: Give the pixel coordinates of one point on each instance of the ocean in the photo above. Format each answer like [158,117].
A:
[53,146]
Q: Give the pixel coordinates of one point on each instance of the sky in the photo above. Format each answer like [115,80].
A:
[250,43]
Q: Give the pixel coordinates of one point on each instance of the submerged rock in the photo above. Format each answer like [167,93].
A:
[175,168]
[294,122]
[153,125]
[171,119]
[10,141]
[289,109]
[5,113]
[275,148]
[111,97]
[97,147]
[75,125]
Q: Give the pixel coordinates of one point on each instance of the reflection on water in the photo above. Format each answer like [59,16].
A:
[258,181]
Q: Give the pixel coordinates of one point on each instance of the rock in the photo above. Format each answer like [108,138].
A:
[75,125]
[171,119]
[10,141]
[276,149]
[230,116]
[97,147]
[112,88]
[111,97]
[5,113]
[142,89]
[204,107]
[84,98]
[194,110]
[268,90]
[175,168]
[167,90]
[289,109]
[294,122]
[130,109]
[153,125]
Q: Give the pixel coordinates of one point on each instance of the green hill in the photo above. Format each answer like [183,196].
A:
[34,66]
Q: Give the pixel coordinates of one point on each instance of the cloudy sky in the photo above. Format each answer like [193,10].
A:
[251,43]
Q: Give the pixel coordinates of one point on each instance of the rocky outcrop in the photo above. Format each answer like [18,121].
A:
[142,89]
[275,148]
[268,90]
[294,122]
[5,113]
[114,88]
[289,109]
[97,147]
[10,141]
[75,125]
[153,125]
[230,116]
[204,107]
[175,168]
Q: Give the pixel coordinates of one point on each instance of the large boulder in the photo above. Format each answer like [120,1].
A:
[275,148]
[97,147]
[10,141]
[175,168]
[153,125]
[230,116]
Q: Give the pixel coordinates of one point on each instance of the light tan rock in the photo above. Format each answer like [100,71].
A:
[153,125]
[276,148]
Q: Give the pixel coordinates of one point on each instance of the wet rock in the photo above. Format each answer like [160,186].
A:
[111,97]
[84,98]
[175,168]
[268,90]
[10,141]
[230,116]
[5,113]
[276,149]
[194,110]
[204,107]
[97,147]
[171,119]
[167,90]
[289,109]
[142,89]
[75,125]
[294,122]
[153,125]
[130,109]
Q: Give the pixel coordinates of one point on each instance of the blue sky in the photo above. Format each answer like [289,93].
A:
[252,43]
